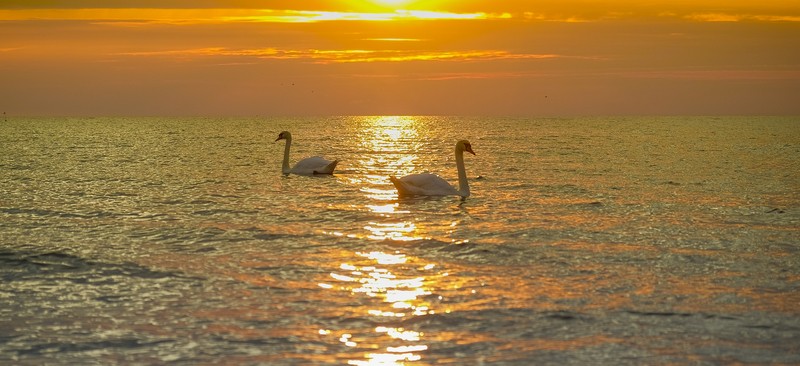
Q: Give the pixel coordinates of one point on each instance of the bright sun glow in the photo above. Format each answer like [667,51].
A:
[391,2]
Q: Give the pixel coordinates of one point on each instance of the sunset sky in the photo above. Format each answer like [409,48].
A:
[424,57]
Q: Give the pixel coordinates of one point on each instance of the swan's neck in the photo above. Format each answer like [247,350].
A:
[285,166]
[463,184]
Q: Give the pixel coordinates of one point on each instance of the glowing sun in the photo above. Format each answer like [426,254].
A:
[391,3]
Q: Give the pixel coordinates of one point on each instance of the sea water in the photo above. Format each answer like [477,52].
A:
[659,240]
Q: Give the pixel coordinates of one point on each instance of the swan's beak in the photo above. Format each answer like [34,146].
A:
[279,138]
[469,150]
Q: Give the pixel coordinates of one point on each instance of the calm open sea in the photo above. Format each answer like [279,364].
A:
[615,241]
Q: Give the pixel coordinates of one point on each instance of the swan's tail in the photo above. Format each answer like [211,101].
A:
[401,189]
[328,169]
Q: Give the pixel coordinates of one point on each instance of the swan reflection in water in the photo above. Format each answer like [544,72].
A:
[390,287]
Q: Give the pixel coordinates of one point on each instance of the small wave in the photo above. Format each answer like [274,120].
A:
[62,214]
[125,343]
[86,215]
[472,252]
[547,322]
[53,260]
[223,211]
[269,236]
[64,262]
[659,313]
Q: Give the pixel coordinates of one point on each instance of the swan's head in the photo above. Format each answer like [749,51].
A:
[285,135]
[464,145]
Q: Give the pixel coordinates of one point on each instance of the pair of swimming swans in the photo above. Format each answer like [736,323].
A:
[420,184]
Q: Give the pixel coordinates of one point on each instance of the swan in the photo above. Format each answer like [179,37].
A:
[308,166]
[427,184]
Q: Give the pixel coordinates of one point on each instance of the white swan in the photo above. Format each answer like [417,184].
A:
[427,184]
[308,166]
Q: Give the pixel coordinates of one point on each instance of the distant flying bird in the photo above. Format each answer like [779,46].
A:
[308,166]
[427,184]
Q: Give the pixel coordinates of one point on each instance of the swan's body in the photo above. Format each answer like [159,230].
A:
[427,184]
[308,166]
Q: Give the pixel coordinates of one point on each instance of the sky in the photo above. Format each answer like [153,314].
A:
[413,57]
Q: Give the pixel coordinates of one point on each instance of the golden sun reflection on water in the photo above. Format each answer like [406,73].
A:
[399,285]
[391,286]
[388,144]
[388,208]
[402,231]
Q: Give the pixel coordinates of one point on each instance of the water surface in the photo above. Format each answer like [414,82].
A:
[586,241]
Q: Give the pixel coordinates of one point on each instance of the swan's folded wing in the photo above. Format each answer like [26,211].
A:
[424,184]
[402,191]
[328,169]
[312,165]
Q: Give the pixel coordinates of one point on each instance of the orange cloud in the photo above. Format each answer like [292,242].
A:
[726,17]
[478,75]
[716,74]
[393,39]
[348,56]
[194,16]
[297,16]
[141,16]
